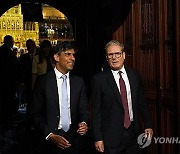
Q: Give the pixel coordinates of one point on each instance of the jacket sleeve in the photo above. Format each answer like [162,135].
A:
[96,109]
[83,105]
[37,110]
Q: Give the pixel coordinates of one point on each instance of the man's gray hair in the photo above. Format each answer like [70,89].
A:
[114,42]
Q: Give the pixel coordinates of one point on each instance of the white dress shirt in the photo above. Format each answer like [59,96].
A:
[59,86]
[126,80]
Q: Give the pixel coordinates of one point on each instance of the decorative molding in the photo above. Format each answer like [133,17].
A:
[147,22]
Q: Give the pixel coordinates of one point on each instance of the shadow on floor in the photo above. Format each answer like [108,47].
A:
[17,139]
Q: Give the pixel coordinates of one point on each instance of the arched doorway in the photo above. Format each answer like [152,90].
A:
[44,23]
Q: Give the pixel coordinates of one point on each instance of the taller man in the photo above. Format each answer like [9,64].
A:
[117,100]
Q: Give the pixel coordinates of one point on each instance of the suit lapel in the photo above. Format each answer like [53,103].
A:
[72,89]
[52,85]
[132,83]
[113,85]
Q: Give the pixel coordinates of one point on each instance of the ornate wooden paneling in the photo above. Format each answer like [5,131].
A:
[168,119]
[165,47]
[167,73]
[146,58]
[148,24]
[147,53]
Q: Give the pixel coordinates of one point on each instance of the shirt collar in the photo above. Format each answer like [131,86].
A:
[59,74]
[123,70]
[117,71]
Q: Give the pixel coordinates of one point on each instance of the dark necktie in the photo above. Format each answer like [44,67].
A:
[127,121]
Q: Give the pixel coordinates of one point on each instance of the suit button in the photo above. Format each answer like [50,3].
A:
[55,129]
[57,116]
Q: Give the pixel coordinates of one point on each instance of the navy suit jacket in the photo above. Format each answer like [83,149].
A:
[107,108]
[45,103]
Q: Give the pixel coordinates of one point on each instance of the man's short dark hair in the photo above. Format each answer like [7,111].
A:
[8,39]
[29,41]
[63,46]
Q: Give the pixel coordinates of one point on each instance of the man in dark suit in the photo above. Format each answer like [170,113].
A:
[25,63]
[48,104]
[9,80]
[26,66]
[117,100]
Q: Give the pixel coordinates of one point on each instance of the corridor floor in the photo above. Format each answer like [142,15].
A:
[18,140]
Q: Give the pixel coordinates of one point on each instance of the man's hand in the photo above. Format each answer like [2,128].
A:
[148,133]
[59,141]
[99,145]
[83,128]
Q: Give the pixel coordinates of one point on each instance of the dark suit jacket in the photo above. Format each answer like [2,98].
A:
[9,68]
[9,80]
[45,103]
[107,108]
